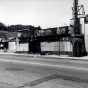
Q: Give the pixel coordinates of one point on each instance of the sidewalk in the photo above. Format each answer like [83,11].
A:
[48,56]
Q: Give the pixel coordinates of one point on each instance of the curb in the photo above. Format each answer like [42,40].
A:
[85,58]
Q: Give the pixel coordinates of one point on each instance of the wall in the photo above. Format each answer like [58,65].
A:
[56,46]
[22,47]
[12,47]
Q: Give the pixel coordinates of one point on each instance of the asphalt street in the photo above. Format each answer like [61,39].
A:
[20,71]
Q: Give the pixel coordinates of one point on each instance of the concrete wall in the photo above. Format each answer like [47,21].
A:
[12,47]
[86,43]
[22,47]
[45,46]
[56,46]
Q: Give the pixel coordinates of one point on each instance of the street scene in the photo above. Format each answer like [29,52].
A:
[19,71]
[43,44]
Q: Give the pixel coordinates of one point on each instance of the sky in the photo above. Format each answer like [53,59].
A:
[44,13]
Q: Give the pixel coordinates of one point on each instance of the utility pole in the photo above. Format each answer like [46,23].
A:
[78,42]
[77,28]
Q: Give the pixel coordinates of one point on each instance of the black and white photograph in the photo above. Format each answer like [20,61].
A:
[43,43]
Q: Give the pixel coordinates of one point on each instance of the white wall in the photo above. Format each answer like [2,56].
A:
[45,46]
[56,46]
[12,47]
[22,47]
[86,43]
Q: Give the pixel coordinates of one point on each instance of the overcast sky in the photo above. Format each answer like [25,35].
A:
[44,13]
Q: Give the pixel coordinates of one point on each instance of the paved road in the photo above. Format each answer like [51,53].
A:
[20,71]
